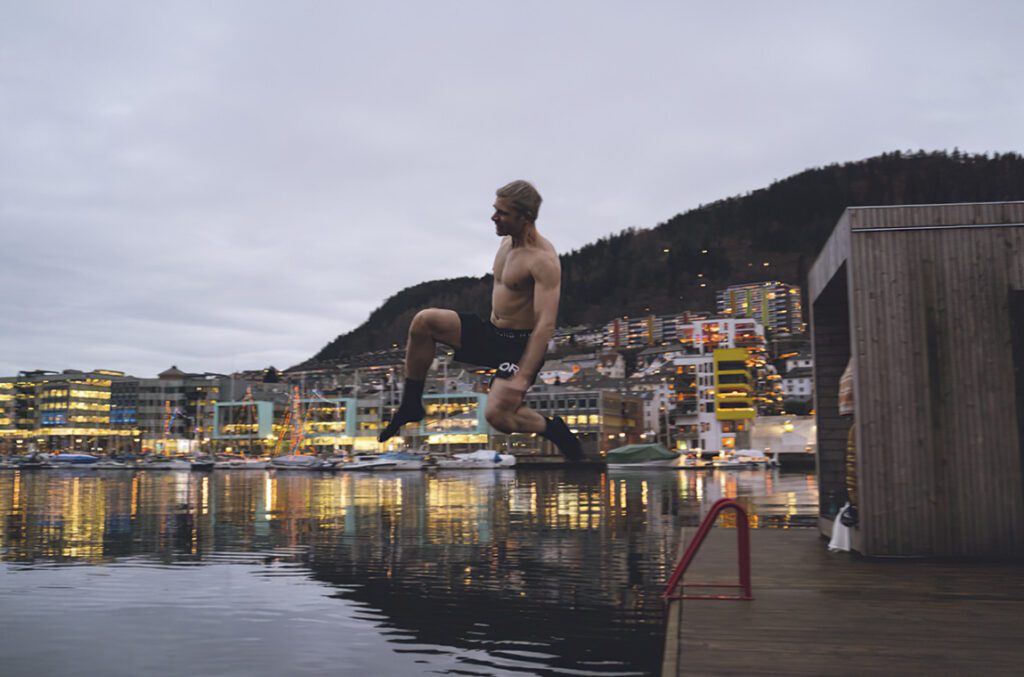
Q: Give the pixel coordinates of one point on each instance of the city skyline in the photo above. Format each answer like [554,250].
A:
[227,188]
[584,335]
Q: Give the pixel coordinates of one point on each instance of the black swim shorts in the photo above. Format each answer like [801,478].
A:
[489,346]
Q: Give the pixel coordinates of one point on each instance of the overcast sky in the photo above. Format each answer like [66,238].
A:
[230,185]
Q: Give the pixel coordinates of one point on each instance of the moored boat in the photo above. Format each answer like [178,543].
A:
[165,463]
[72,458]
[30,461]
[642,455]
[480,459]
[240,463]
[112,464]
[299,462]
[201,463]
[391,460]
[742,458]
[693,461]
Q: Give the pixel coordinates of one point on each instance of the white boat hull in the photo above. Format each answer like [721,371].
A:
[113,465]
[370,466]
[389,461]
[242,464]
[299,462]
[659,463]
[174,464]
[484,459]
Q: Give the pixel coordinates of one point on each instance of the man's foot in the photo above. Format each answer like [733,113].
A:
[407,413]
[558,432]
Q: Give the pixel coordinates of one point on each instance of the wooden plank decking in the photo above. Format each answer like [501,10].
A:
[821,613]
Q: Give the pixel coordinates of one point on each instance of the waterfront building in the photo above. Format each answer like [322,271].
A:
[455,422]
[657,392]
[690,366]
[247,426]
[923,307]
[714,400]
[108,411]
[714,334]
[602,418]
[687,390]
[253,426]
[774,304]
[682,375]
[59,410]
[175,412]
[8,413]
[792,439]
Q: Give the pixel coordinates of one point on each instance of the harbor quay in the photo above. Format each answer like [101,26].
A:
[817,612]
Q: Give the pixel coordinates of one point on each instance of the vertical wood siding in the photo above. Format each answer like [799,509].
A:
[939,459]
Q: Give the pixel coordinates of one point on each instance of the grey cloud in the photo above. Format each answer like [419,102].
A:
[235,184]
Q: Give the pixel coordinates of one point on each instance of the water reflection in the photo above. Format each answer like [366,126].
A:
[478,572]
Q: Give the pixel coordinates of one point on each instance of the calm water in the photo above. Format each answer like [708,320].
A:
[507,572]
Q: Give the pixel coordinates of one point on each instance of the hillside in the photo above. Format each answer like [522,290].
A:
[722,243]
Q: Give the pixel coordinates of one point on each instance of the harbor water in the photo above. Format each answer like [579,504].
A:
[504,572]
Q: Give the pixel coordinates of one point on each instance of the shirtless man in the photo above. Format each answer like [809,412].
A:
[524,305]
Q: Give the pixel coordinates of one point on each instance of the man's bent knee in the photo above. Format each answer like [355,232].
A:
[436,323]
[420,322]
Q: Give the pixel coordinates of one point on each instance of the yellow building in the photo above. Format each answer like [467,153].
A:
[734,386]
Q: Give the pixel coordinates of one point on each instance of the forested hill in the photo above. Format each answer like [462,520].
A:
[715,245]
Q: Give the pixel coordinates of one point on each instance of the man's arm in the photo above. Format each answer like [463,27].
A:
[547,287]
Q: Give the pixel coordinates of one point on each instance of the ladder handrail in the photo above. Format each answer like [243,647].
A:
[743,552]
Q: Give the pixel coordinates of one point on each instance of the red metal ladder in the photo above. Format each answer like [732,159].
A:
[743,551]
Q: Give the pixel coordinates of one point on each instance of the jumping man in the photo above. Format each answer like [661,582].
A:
[524,305]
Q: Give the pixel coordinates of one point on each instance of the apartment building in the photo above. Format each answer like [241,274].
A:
[776,305]
[798,384]
[648,330]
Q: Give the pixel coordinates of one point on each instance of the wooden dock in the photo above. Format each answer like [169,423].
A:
[821,613]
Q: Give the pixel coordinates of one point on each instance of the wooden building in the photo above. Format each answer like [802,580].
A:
[926,304]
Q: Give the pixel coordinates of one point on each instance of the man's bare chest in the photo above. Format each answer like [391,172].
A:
[512,271]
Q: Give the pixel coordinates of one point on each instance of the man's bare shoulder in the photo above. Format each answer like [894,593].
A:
[545,258]
[544,247]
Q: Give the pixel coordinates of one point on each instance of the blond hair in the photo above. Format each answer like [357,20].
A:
[524,197]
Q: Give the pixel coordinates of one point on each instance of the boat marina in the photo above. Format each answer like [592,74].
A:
[630,456]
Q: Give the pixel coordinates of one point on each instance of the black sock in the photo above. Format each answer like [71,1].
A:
[558,432]
[409,411]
